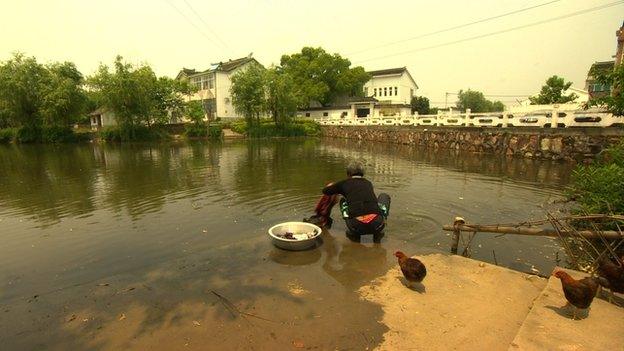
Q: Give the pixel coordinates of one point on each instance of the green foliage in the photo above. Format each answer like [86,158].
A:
[599,187]
[64,101]
[420,104]
[310,127]
[136,95]
[281,98]
[614,102]
[202,130]
[268,129]
[58,134]
[7,135]
[248,94]
[239,127]
[33,95]
[215,132]
[552,92]
[196,130]
[476,102]
[195,111]
[28,134]
[133,133]
[320,76]
[271,130]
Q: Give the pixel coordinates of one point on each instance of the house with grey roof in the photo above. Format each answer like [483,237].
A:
[214,84]
[388,93]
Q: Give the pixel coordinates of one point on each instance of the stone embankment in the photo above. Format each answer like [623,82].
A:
[556,144]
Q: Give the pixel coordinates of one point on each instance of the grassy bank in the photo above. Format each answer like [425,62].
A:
[41,135]
[268,129]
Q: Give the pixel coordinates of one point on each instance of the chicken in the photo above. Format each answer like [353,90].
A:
[413,270]
[613,276]
[579,293]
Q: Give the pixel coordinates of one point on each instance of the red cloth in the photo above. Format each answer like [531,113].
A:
[324,205]
[367,218]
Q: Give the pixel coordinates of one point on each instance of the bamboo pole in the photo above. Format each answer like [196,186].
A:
[610,235]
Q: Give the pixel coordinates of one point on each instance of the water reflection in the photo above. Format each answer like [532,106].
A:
[172,221]
[87,208]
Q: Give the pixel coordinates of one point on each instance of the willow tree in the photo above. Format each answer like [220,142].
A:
[248,93]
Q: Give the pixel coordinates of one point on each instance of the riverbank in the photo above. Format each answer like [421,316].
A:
[551,144]
[470,305]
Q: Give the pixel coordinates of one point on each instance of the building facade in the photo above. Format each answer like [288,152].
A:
[387,94]
[392,86]
[213,86]
[594,88]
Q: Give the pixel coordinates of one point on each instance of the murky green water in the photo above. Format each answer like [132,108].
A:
[184,219]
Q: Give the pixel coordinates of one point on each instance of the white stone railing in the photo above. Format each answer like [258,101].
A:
[545,118]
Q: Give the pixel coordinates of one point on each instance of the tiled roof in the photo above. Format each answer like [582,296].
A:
[221,66]
[234,64]
[383,72]
[603,64]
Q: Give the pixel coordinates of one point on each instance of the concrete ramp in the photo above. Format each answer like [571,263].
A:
[550,327]
[463,305]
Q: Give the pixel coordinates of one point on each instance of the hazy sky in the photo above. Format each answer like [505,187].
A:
[171,34]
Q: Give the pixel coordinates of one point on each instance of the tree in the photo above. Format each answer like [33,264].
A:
[136,95]
[552,92]
[248,93]
[22,85]
[476,102]
[195,111]
[615,79]
[33,95]
[319,76]
[420,104]
[281,97]
[65,100]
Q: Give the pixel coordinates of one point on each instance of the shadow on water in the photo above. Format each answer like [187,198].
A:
[173,306]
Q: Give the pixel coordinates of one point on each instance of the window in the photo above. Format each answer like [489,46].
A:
[411,94]
[375,92]
[396,91]
[325,114]
[385,92]
[390,91]
[307,114]
[203,82]
[365,91]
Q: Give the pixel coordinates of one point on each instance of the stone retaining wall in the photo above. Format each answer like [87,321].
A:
[556,144]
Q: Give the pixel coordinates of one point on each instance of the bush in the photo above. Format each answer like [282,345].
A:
[28,135]
[215,132]
[7,135]
[239,127]
[311,128]
[599,187]
[58,135]
[196,130]
[134,133]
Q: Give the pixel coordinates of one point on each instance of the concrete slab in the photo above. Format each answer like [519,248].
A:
[551,327]
[462,304]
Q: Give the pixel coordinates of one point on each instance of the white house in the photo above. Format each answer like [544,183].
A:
[393,86]
[214,85]
[102,118]
[388,93]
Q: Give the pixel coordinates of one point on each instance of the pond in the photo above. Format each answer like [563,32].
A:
[144,245]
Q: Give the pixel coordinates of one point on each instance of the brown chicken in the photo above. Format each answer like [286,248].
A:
[579,293]
[413,270]
[612,274]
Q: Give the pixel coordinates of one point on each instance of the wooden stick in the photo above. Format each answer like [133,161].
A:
[611,235]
